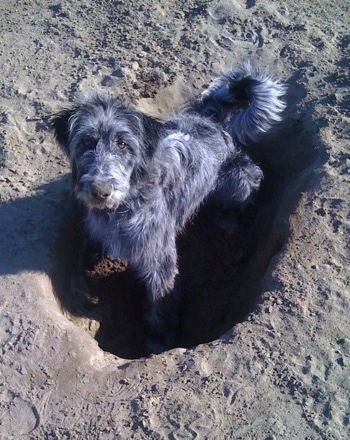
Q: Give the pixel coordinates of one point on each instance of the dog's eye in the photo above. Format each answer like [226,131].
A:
[89,143]
[121,145]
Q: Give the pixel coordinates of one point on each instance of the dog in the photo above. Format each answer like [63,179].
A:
[140,179]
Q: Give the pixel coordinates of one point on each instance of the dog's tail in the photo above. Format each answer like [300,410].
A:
[259,93]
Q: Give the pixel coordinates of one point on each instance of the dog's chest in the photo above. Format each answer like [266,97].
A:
[105,229]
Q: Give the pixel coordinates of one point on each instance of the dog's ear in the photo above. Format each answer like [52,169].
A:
[60,125]
[151,127]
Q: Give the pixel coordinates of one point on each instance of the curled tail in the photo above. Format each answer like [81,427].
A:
[257,91]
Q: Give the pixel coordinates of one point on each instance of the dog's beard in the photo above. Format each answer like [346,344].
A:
[117,192]
[112,202]
[101,180]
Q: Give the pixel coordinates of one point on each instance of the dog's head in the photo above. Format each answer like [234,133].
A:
[104,140]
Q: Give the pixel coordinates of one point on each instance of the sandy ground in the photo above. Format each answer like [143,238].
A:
[265,317]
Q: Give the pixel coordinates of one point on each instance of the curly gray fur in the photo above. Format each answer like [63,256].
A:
[140,180]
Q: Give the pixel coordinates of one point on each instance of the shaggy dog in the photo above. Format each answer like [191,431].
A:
[140,180]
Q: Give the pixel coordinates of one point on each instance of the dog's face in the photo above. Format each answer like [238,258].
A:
[104,142]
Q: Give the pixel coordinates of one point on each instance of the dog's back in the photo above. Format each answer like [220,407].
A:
[191,154]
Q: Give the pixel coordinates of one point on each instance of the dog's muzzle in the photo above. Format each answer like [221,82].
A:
[97,194]
[100,190]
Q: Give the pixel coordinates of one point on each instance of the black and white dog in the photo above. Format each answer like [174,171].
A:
[140,179]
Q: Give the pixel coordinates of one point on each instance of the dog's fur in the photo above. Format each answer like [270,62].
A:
[140,180]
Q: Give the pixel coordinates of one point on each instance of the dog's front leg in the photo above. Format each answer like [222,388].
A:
[159,271]
[162,317]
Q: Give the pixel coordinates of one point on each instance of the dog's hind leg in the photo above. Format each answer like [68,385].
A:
[239,177]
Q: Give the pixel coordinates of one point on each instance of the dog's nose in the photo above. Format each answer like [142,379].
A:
[100,190]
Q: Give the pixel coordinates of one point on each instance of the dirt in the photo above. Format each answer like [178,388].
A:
[264,348]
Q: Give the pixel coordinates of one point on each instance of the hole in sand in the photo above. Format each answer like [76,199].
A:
[222,258]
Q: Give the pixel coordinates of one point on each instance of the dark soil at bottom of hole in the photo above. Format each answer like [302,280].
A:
[223,257]
[211,262]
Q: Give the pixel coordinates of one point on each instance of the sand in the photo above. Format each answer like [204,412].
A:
[265,347]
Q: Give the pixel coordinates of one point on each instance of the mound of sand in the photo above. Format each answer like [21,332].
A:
[264,347]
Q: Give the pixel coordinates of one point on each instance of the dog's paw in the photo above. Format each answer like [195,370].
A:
[158,343]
